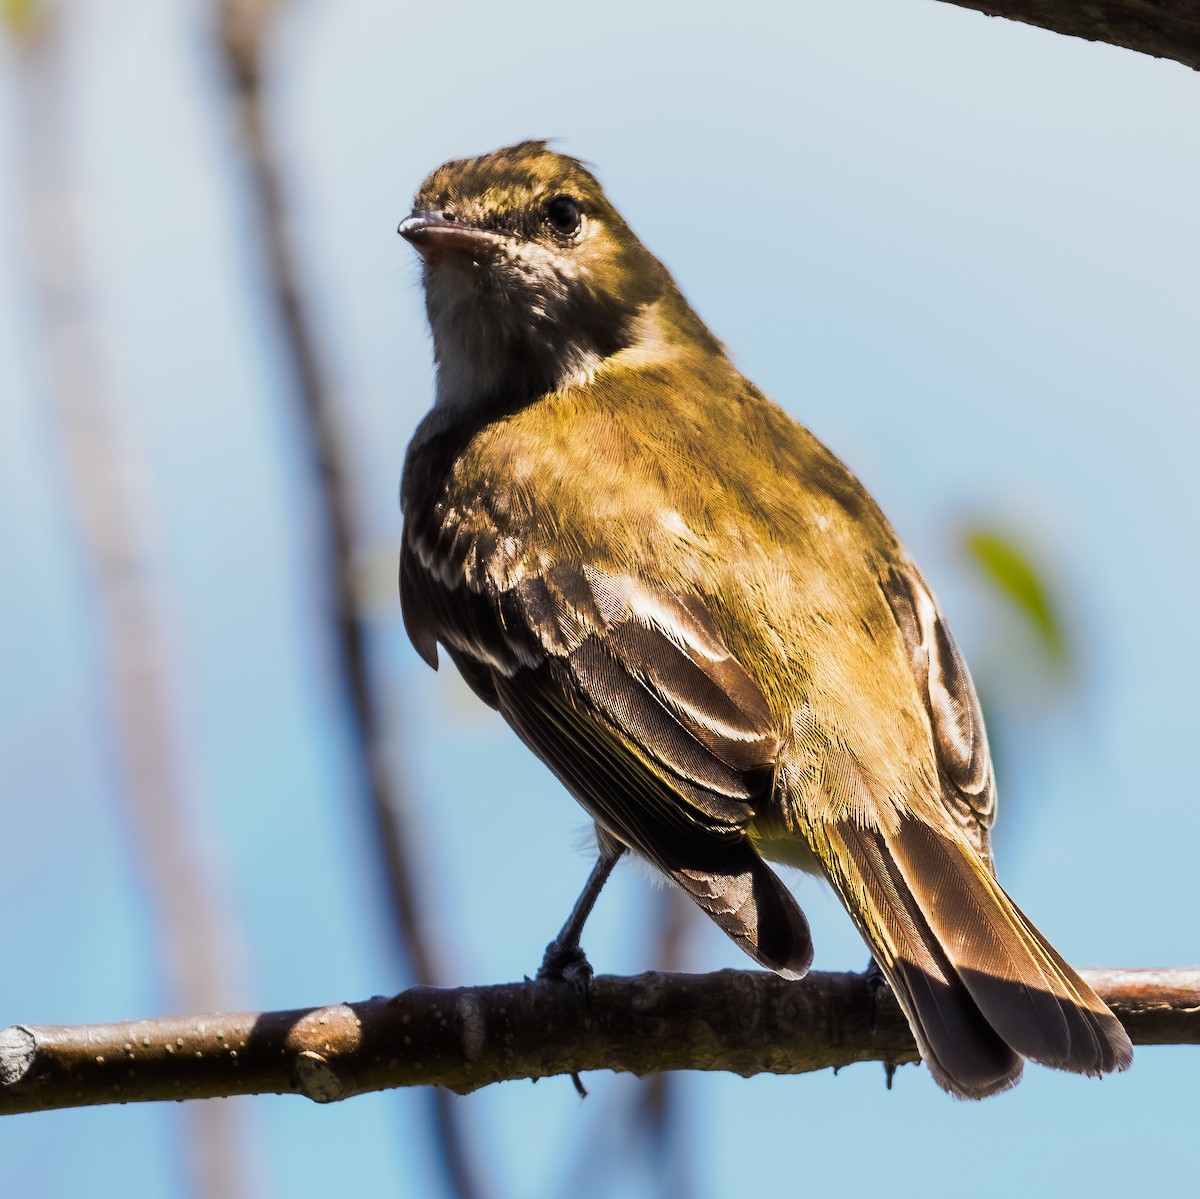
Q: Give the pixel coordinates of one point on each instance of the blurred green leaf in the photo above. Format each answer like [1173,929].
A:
[22,17]
[1007,565]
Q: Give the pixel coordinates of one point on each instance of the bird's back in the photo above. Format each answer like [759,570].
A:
[781,543]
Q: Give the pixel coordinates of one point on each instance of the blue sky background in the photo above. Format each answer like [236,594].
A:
[963,251]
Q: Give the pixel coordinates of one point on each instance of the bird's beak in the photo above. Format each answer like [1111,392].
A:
[434,232]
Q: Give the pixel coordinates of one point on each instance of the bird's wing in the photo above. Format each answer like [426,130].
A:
[968,783]
[631,697]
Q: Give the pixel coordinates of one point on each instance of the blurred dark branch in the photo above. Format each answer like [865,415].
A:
[643,1126]
[470,1037]
[243,29]
[1162,28]
[102,472]
[243,26]
[656,1119]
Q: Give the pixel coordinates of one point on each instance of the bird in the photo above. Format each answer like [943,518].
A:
[694,614]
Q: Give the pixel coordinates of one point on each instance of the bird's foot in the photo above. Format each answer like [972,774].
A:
[567,963]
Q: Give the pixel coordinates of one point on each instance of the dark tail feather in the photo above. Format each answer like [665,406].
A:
[744,896]
[1024,989]
[980,985]
[964,1053]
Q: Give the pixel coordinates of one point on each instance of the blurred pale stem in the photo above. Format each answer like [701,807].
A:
[107,498]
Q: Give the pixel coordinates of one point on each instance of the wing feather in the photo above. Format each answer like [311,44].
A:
[631,697]
[659,817]
[956,721]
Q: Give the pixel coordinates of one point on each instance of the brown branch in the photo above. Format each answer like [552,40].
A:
[1162,28]
[469,1037]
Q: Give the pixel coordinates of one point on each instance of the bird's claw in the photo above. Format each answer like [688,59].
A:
[567,963]
[876,985]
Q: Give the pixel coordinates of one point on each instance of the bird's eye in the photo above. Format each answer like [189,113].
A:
[563,215]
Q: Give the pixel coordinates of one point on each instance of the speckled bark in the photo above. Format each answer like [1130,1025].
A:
[466,1038]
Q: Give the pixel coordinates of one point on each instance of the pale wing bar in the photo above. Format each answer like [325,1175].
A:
[944,683]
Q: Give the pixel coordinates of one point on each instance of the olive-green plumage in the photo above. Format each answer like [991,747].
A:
[700,620]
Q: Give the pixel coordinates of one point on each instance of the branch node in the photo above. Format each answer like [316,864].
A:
[472,1023]
[18,1052]
[317,1079]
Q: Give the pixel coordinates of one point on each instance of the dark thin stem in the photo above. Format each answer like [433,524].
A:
[243,29]
[1163,28]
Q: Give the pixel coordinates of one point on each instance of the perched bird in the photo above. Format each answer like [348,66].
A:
[697,617]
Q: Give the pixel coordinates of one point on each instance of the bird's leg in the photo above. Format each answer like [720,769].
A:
[876,983]
[564,958]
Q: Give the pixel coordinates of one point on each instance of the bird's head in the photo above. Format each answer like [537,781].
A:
[532,278]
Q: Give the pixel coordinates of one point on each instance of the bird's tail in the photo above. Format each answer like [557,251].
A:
[981,987]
